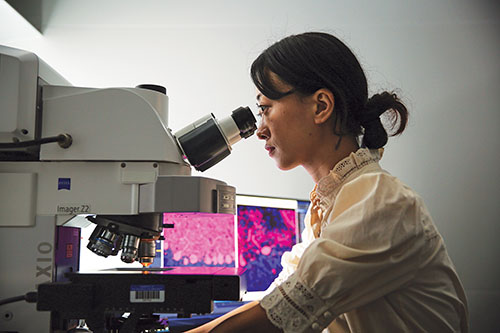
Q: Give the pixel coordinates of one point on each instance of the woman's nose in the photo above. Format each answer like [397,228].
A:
[262,131]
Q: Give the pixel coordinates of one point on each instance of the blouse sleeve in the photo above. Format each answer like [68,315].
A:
[369,247]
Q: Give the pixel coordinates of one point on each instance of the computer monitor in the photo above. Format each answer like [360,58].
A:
[255,239]
[266,228]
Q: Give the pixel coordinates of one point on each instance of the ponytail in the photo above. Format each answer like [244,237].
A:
[375,134]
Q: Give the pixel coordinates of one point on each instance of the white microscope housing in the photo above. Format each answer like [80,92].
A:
[107,153]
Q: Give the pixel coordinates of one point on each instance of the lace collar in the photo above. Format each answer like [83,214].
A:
[327,186]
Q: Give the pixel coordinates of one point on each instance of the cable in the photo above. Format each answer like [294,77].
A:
[64,140]
[30,297]
[11,300]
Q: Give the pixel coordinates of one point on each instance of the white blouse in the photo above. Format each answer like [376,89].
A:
[378,265]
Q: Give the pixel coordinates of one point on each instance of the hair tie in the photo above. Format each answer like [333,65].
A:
[369,117]
[374,135]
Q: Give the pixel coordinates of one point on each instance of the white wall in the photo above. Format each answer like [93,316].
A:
[442,56]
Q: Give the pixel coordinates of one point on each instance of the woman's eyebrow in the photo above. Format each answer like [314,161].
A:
[258,97]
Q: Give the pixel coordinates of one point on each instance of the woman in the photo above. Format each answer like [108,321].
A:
[371,259]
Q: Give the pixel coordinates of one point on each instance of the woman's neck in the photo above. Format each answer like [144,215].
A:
[327,154]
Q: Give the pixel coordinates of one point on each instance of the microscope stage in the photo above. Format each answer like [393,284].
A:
[183,290]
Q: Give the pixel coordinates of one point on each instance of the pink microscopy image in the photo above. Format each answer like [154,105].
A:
[199,239]
[264,234]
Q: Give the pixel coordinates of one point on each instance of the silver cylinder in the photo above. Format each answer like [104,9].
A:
[130,245]
[101,242]
[147,251]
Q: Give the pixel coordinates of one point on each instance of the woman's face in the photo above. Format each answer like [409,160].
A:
[287,126]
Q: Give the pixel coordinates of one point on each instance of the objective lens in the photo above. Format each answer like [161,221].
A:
[147,251]
[101,242]
[130,246]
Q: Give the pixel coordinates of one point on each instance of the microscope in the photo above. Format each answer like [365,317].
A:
[109,155]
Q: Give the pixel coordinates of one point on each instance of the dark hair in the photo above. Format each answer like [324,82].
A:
[315,60]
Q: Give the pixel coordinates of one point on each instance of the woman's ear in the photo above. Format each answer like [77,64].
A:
[325,104]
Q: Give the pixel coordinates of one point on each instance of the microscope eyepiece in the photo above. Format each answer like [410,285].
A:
[208,141]
[245,120]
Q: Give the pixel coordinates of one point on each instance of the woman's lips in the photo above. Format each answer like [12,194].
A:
[270,150]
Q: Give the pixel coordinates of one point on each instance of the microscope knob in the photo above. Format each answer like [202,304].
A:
[154,87]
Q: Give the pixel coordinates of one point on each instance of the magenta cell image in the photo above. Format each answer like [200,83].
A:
[199,239]
[264,234]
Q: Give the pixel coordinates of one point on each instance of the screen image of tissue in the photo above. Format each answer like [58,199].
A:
[199,239]
[264,234]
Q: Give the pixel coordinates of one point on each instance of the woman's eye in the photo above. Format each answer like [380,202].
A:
[262,109]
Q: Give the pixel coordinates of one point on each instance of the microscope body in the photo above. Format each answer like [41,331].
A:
[123,169]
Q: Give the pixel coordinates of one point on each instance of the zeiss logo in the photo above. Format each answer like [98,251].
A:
[64,184]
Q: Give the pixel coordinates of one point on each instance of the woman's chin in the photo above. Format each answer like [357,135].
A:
[285,167]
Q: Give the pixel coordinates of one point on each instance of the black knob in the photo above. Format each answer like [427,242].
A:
[154,87]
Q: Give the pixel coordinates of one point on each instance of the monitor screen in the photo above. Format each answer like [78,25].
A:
[255,239]
[267,227]
[199,239]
